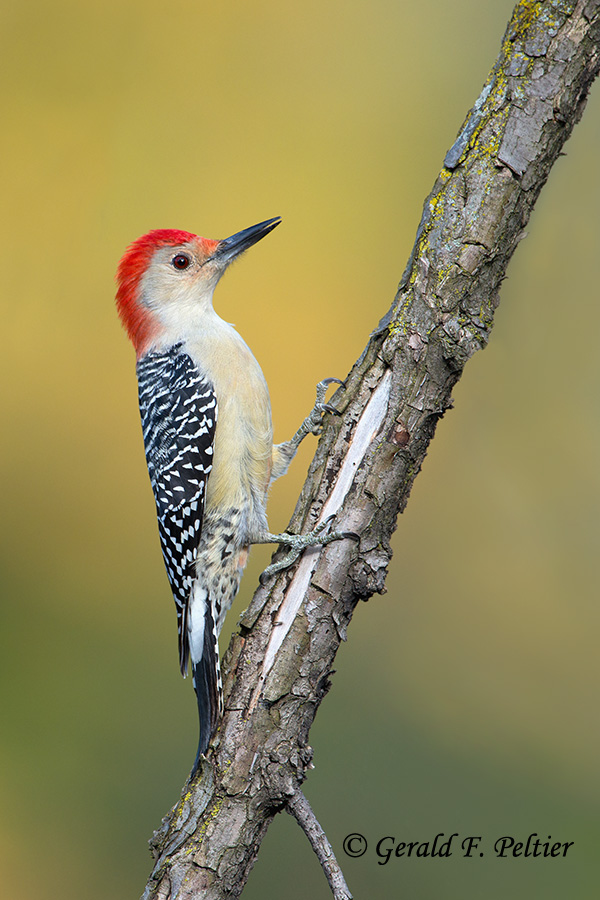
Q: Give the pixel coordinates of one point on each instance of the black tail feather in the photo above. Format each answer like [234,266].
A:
[205,676]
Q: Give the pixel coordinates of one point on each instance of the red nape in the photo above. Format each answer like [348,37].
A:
[133,264]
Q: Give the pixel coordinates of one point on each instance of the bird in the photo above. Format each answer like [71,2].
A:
[208,438]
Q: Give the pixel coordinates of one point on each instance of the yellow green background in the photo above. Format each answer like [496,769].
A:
[466,698]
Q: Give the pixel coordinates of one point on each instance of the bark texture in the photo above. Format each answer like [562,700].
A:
[277,667]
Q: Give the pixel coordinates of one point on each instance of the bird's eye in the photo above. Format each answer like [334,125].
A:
[181,261]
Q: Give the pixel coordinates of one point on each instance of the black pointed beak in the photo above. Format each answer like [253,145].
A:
[231,247]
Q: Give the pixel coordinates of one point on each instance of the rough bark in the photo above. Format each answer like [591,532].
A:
[277,667]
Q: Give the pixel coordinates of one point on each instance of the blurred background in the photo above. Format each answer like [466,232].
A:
[465,698]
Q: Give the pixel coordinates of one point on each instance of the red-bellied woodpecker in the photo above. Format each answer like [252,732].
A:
[206,420]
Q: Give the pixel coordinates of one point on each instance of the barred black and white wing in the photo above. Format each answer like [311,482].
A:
[178,407]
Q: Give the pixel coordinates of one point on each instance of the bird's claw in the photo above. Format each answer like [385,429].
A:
[327,381]
[278,566]
[298,542]
[322,387]
[314,421]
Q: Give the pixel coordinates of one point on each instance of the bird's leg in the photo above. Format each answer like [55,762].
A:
[298,542]
[282,456]
[284,453]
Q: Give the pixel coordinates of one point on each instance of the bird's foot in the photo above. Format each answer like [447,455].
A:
[299,542]
[313,423]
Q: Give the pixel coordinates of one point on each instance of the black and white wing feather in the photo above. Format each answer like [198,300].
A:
[178,407]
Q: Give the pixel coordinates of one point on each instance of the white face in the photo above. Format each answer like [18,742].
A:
[178,280]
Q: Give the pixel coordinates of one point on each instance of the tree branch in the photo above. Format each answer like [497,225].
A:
[276,669]
[299,807]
